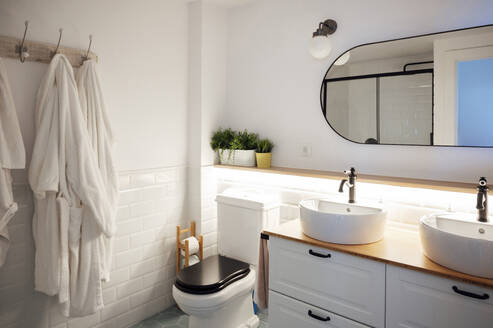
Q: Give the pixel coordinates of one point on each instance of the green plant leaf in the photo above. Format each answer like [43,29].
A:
[221,139]
[264,146]
[234,140]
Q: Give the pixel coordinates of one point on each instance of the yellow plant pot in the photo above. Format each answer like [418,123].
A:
[263,160]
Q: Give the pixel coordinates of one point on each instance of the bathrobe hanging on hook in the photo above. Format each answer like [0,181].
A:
[101,136]
[12,156]
[72,211]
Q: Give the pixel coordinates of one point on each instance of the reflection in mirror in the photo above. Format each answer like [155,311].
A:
[428,90]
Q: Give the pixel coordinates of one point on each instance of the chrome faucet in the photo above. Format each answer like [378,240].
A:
[351,184]
[482,205]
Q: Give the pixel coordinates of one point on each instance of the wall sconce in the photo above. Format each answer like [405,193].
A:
[321,46]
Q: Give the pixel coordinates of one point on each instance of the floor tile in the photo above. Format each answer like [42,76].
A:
[175,318]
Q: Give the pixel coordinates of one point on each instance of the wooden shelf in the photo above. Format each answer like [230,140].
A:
[378,179]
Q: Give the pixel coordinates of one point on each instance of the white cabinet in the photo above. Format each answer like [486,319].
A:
[286,312]
[348,285]
[416,299]
[310,284]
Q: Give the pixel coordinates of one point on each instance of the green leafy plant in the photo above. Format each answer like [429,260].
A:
[264,146]
[244,141]
[229,139]
[222,139]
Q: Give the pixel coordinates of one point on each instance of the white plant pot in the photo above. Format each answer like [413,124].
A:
[237,157]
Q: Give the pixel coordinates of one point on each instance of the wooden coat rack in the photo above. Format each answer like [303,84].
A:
[42,52]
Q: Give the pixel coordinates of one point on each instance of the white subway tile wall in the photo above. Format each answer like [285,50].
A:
[202,204]
[208,210]
[152,203]
[404,205]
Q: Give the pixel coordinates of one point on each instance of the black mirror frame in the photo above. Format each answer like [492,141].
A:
[385,41]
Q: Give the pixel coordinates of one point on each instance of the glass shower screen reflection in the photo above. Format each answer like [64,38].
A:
[406,109]
[352,110]
[385,110]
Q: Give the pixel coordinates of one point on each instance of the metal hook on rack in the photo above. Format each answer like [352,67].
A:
[20,49]
[58,44]
[86,57]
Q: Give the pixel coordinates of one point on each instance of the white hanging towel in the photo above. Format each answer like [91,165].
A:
[12,156]
[101,136]
[72,211]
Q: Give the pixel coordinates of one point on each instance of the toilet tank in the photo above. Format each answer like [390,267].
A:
[241,215]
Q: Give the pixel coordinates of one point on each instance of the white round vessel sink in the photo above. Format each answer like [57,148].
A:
[342,223]
[459,242]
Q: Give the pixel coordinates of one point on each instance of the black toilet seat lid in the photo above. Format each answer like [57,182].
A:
[211,275]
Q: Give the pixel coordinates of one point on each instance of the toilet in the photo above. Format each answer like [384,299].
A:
[217,292]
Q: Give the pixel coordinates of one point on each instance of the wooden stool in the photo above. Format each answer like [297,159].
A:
[185,247]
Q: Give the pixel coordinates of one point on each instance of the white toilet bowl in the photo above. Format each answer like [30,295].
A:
[217,292]
[230,306]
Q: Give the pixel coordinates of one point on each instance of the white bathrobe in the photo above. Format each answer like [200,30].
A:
[12,156]
[99,128]
[72,211]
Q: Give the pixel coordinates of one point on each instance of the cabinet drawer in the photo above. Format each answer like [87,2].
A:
[416,299]
[350,286]
[286,312]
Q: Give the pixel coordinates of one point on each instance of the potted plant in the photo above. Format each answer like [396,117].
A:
[235,148]
[221,141]
[264,153]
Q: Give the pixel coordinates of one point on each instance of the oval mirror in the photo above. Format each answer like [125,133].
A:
[434,89]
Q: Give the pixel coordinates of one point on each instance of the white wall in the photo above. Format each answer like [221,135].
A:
[274,84]
[215,41]
[207,95]
[142,49]
[208,36]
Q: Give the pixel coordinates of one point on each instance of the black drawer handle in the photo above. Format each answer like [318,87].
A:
[469,294]
[325,256]
[314,316]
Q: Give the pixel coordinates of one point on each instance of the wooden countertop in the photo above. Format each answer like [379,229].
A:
[399,247]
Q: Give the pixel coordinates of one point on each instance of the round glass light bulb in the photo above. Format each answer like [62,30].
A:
[343,59]
[320,47]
